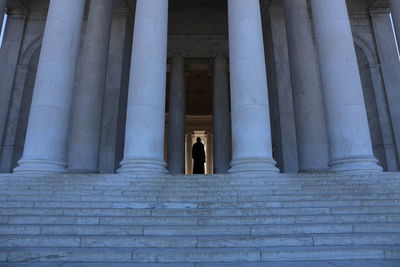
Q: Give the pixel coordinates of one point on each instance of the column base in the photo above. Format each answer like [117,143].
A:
[143,166]
[41,167]
[253,166]
[355,165]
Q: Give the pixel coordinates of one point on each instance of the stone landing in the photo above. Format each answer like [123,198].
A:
[188,221]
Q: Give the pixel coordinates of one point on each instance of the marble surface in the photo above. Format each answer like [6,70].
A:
[86,122]
[45,151]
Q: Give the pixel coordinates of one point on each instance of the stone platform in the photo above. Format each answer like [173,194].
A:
[220,220]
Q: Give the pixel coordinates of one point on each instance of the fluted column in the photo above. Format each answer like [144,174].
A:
[395,10]
[348,131]
[209,153]
[86,119]
[189,160]
[176,117]
[145,124]
[251,130]
[46,138]
[312,139]
[222,125]
[3,6]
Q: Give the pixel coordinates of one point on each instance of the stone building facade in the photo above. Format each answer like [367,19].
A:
[125,85]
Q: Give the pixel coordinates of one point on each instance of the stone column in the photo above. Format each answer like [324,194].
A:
[209,153]
[189,160]
[46,138]
[222,118]
[88,102]
[311,133]
[390,66]
[251,132]
[176,117]
[395,10]
[3,6]
[145,124]
[348,131]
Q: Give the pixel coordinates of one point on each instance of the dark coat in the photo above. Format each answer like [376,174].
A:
[199,157]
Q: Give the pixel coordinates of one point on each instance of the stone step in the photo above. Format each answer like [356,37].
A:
[123,219]
[187,209]
[249,197]
[200,202]
[302,215]
[359,192]
[147,264]
[176,183]
[199,255]
[106,230]
[212,185]
[330,263]
[203,220]
[197,242]
[170,196]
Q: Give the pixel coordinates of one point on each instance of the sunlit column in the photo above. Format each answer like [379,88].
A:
[347,123]
[145,123]
[46,138]
[251,130]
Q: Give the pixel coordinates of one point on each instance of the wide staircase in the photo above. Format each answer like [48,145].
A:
[195,221]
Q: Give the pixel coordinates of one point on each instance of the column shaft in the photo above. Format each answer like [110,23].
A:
[86,120]
[395,10]
[348,130]
[145,124]
[189,160]
[311,133]
[251,132]
[389,67]
[3,6]
[209,153]
[176,117]
[222,125]
[46,138]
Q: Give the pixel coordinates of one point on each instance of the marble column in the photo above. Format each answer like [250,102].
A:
[3,6]
[87,107]
[222,125]
[395,10]
[390,66]
[176,117]
[46,138]
[145,123]
[348,130]
[209,153]
[189,160]
[311,133]
[251,131]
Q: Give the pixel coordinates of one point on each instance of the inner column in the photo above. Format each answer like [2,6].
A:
[176,116]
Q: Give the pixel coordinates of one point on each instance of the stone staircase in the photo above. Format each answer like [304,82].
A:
[188,221]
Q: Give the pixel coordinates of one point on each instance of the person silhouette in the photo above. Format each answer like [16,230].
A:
[199,157]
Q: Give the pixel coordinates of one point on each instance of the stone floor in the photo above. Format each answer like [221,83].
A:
[220,220]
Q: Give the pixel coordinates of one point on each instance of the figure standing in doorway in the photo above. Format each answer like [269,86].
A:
[199,157]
